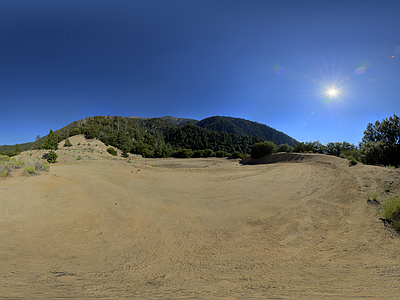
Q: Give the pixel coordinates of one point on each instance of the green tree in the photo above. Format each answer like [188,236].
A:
[74,131]
[299,147]
[52,157]
[17,149]
[67,143]
[221,153]
[381,143]
[261,149]
[112,151]
[38,143]
[51,142]
[184,153]
[284,148]
[237,154]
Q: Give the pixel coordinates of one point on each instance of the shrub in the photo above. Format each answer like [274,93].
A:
[237,154]
[4,170]
[147,152]
[284,148]
[355,153]
[4,158]
[208,153]
[29,170]
[261,149]
[124,154]
[112,151]
[198,153]
[389,211]
[221,153]
[16,163]
[351,160]
[46,167]
[184,153]
[79,158]
[52,157]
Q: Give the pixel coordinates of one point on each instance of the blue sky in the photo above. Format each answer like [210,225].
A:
[273,62]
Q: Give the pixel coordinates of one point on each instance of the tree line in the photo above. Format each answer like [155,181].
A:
[159,138]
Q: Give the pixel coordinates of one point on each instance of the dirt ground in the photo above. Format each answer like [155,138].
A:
[105,227]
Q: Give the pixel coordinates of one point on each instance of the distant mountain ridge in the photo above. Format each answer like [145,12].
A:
[137,134]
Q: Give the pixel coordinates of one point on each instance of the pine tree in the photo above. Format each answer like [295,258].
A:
[51,142]
[67,143]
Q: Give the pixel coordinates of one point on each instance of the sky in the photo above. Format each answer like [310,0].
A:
[273,62]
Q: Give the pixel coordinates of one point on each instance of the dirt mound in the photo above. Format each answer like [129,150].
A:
[292,157]
[107,227]
[81,149]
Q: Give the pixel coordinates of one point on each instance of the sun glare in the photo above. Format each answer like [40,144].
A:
[332,92]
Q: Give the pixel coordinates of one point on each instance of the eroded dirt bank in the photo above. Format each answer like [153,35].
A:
[197,228]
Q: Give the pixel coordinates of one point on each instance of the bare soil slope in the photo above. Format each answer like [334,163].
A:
[197,227]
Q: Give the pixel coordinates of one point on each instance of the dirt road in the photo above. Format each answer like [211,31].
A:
[197,227]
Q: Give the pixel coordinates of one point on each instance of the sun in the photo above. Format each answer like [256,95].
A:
[332,92]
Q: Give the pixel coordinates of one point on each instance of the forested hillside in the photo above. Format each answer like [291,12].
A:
[161,137]
[246,127]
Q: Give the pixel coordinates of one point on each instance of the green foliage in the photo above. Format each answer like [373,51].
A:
[221,154]
[284,148]
[208,153]
[125,154]
[381,143]
[29,170]
[90,131]
[74,131]
[79,158]
[389,211]
[17,149]
[67,143]
[351,160]
[112,151]
[244,127]
[184,153]
[374,153]
[198,153]
[16,163]
[299,147]
[4,158]
[147,152]
[46,167]
[237,154]
[355,153]
[4,173]
[51,142]
[52,157]
[261,149]
[8,153]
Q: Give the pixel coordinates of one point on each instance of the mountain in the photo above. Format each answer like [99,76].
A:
[246,127]
[161,136]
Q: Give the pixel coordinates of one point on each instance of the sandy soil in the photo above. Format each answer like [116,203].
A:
[196,228]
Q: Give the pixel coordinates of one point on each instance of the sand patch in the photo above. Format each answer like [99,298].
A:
[196,227]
